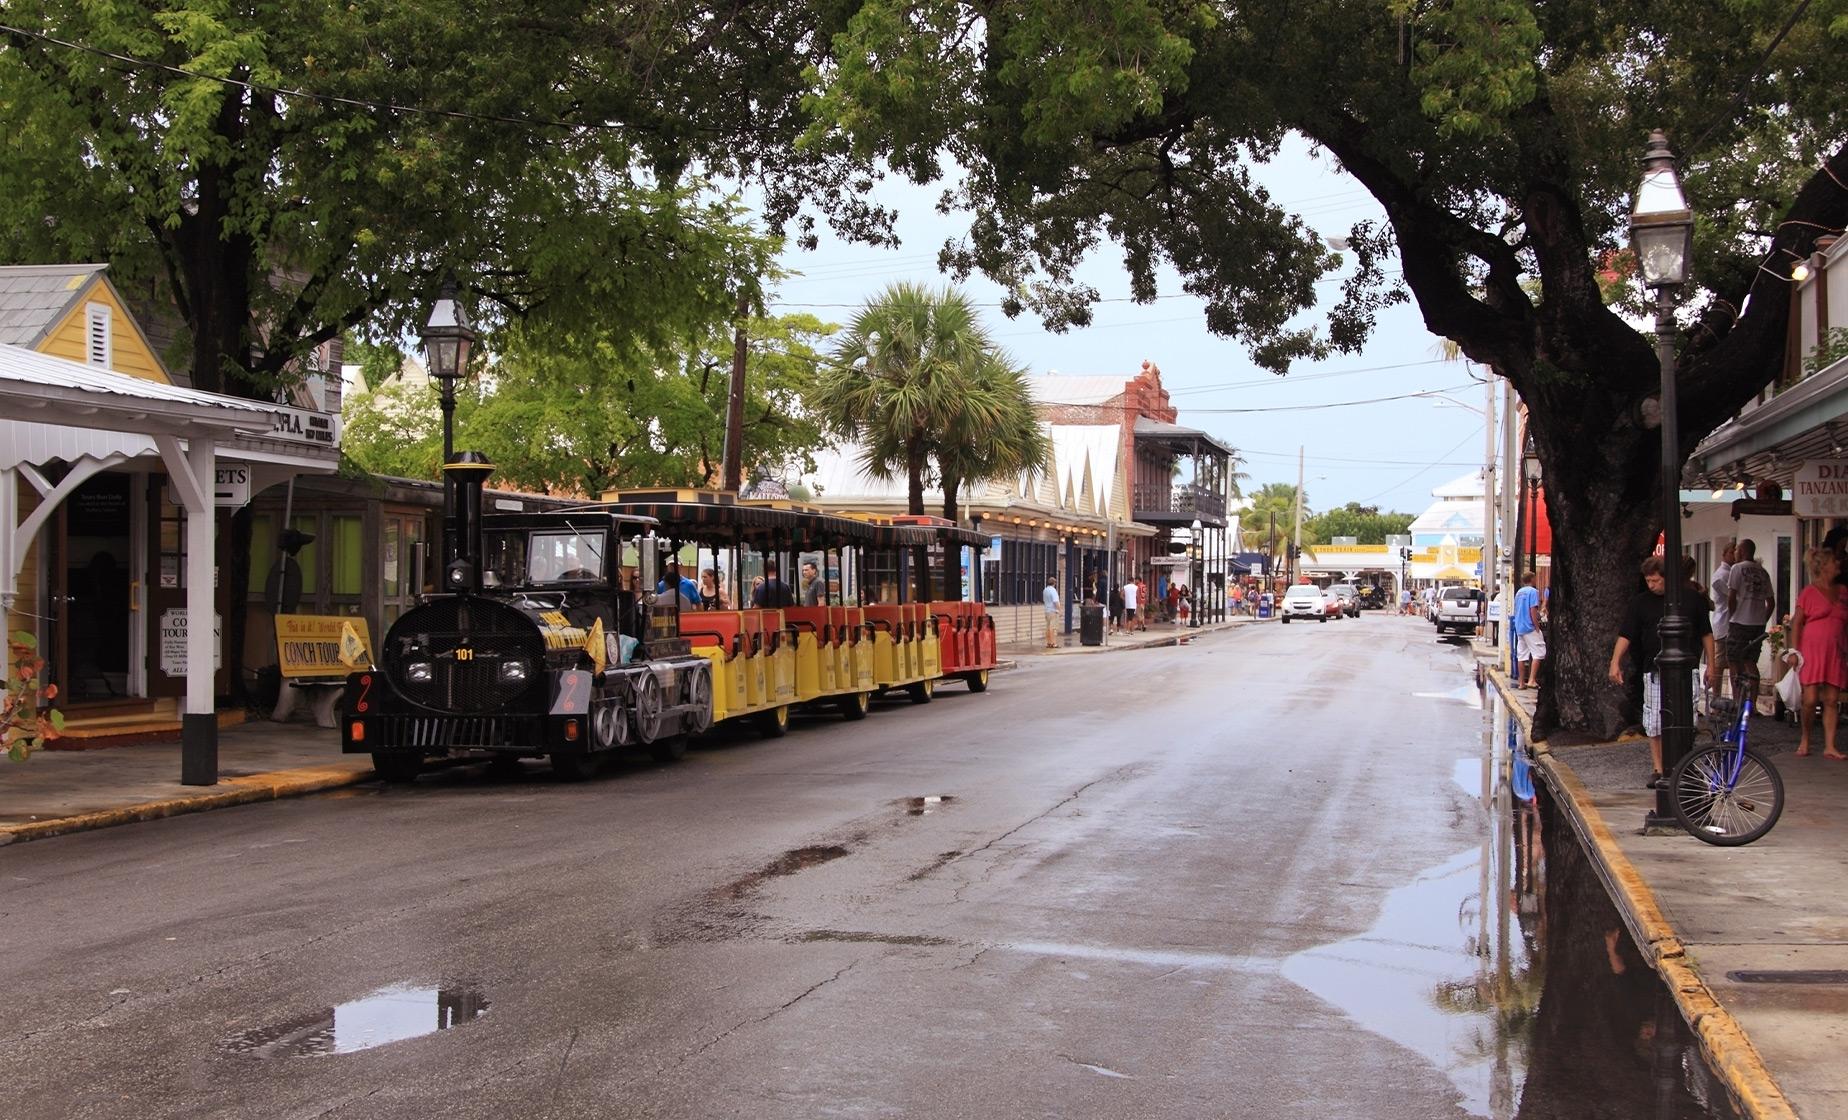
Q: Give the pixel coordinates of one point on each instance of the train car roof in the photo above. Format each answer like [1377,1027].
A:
[706,515]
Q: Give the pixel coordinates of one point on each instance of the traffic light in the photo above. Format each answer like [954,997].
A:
[1405,553]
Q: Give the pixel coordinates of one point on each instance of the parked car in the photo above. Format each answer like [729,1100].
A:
[1307,601]
[1349,596]
[1459,610]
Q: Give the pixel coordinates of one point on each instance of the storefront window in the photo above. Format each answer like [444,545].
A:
[348,550]
[308,559]
[262,551]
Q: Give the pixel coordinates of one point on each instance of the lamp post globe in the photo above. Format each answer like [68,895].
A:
[447,338]
[1662,236]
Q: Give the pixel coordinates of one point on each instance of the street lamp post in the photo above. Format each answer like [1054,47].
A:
[447,338]
[1662,235]
[1199,560]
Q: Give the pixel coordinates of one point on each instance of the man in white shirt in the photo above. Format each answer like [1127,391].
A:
[1717,591]
[1130,604]
[1050,597]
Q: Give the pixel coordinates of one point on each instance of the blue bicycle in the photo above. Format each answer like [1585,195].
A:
[1727,793]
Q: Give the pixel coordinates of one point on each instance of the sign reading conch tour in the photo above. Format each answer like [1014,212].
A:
[1821,488]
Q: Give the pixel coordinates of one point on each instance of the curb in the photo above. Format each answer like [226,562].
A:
[272,786]
[1722,1041]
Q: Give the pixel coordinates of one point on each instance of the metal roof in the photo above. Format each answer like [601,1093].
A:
[1159,431]
[35,297]
[50,390]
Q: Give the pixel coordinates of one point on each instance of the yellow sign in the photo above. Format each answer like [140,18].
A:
[321,645]
[594,645]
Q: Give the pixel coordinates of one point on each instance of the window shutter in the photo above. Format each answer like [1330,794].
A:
[96,336]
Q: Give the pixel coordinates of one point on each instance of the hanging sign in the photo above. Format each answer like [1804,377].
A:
[1821,488]
[173,642]
[231,485]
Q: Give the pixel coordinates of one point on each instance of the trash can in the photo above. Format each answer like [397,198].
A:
[1091,624]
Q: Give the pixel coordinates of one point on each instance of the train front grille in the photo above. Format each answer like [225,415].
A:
[453,732]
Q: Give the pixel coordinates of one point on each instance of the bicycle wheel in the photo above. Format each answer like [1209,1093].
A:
[1721,812]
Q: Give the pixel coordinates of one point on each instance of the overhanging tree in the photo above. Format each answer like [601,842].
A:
[1501,139]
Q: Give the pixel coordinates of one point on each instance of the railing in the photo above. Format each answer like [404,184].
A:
[1155,497]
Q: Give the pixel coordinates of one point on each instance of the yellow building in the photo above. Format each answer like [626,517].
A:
[103,453]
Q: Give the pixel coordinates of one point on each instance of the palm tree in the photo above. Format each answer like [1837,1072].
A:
[995,433]
[893,381]
[1277,498]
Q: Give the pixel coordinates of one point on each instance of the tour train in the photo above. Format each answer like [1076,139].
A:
[563,634]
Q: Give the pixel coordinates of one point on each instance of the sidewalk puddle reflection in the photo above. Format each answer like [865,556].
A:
[1468,695]
[387,1015]
[1507,968]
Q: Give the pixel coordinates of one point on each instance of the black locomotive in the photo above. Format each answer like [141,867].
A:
[538,646]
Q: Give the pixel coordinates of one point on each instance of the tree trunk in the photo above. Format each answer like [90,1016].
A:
[1599,542]
[952,553]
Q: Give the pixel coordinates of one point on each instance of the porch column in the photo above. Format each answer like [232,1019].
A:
[9,526]
[191,472]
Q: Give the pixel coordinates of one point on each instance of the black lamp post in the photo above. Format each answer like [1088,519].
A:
[1530,470]
[1662,234]
[1196,559]
[447,338]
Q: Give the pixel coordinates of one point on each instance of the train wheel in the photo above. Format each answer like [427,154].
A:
[773,724]
[978,680]
[671,749]
[699,703]
[648,705]
[574,767]
[921,692]
[396,766]
[855,705]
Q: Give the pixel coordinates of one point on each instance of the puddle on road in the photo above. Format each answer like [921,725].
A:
[789,863]
[385,1016]
[1468,695]
[1507,968]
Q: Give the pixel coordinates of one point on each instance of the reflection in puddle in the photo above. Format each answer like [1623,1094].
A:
[790,862]
[1468,695]
[924,806]
[387,1015]
[1507,968]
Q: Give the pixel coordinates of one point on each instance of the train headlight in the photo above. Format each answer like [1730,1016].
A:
[419,672]
[513,672]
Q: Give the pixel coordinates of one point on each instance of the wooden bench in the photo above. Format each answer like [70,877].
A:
[315,653]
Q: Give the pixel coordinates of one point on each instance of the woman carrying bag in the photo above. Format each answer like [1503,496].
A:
[1816,631]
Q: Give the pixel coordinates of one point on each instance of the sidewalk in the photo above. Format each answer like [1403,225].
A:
[1710,918]
[55,792]
[1158,634]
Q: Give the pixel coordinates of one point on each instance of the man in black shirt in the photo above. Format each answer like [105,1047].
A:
[1639,637]
[772,593]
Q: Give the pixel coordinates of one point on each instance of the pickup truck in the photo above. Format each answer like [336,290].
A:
[1459,610]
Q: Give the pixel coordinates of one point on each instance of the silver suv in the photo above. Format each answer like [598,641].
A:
[1459,610]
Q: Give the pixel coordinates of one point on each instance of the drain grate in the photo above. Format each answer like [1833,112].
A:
[1789,976]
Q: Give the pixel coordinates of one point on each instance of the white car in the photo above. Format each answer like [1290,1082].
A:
[1306,601]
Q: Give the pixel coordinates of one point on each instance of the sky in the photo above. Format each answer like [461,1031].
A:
[1386,453]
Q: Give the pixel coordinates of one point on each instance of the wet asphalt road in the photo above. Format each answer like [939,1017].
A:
[1124,907]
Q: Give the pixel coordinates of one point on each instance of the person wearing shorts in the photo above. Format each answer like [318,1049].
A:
[1749,605]
[1131,600]
[1638,637]
[1529,638]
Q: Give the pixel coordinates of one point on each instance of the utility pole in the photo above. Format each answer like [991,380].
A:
[1296,545]
[1491,556]
[732,468]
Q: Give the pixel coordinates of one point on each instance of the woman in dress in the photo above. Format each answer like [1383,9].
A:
[1816,629]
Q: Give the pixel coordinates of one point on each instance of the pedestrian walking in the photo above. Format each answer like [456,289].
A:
[1050,597]
[1749,603]
[1638,637]
[1816,629]
[1116,609]
[1131,597]
[1718,591]
[1529,637]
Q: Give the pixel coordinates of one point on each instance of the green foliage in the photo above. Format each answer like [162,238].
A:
[1832,348]
[918,383]
[1273,507]
[394,429]
[1366,524]
[576,416]
[25,724]
[567,176]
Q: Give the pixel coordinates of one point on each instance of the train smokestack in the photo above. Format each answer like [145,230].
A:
[469,471]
